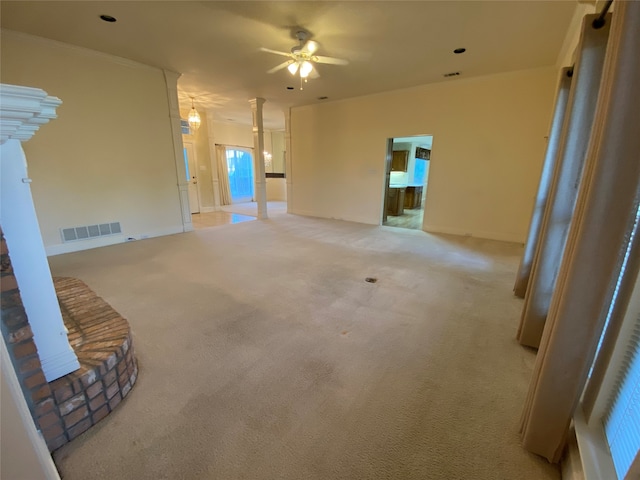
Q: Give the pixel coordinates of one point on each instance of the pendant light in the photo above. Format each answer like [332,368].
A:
[194,118]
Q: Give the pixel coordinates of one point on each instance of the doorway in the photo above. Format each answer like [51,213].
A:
[406,179]
[192,176]
[240,168]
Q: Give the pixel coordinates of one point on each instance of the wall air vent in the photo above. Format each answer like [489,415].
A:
[452,74]
[90,231]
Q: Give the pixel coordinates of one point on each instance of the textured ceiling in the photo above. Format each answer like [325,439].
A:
[390,44]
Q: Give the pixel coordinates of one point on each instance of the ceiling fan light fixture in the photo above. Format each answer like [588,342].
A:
[305,69]
[293,68]
[194,118]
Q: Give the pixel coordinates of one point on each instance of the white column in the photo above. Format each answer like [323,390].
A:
[288,159]
[22,111]
[171,80]
[213,156]
[258,160]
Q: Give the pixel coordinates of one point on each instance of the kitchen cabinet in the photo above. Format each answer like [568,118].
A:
[413,197]
[395,201]
[400,161]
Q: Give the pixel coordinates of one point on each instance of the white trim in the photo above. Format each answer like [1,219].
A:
[208,209]
[126,62]
[502,237]
[61,248]
[596,460]
[35,437]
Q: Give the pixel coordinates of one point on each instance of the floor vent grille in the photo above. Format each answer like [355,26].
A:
[90,231]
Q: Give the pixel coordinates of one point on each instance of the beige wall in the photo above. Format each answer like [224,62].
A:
[488,145]
[109,155]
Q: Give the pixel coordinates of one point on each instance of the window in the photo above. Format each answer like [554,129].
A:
[240,169]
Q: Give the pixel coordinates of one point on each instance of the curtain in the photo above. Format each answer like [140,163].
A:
[223,175]
[581,106]
[605,210]
[553,145]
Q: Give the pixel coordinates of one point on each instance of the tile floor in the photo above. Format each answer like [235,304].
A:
[411,219]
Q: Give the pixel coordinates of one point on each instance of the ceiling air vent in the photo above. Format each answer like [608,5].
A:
[452,74]
[88,232]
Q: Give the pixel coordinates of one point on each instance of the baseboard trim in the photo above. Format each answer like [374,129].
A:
[504,237]
[61,248]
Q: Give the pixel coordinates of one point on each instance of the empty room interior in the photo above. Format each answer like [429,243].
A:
[320,240]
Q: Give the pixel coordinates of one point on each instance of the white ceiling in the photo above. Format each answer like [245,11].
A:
[390,44]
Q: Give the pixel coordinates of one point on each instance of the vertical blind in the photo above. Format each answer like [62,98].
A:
[622,417]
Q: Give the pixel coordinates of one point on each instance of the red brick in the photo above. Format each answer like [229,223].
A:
[21,334]
[100,414]
[57,442]
[24,349]
[124,378]
[35,380]
[72,404]
[29,365]
[62,394]
[79,428]
[48,420]
[13,317]
[8,283]
[111,361]
[44,407]
[41,393]
[97,402]
[89,378]
[110,377]
[75,416]
[115,401]
[11,299]
[53,431]
[125,389]
[94,390]
[112,390]
[122,366]
[76,384]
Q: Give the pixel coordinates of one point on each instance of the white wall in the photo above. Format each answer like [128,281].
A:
[485,161]
[109,155]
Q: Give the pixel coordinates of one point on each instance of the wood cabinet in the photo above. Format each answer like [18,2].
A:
[400,161]
[395,201]
[413,197]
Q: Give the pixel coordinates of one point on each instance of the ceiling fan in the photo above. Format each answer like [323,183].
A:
[302,58]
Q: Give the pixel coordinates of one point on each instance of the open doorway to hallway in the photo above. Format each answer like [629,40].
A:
[407,176]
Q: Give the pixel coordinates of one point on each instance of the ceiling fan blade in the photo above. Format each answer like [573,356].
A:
[314,73]
[268,50]
[330,60]
[280,67]
[310,47]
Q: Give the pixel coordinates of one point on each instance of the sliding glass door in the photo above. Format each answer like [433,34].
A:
[240,168]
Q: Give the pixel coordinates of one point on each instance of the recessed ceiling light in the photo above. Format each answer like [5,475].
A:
[108,18]
[289,88]
[460,50]
[452,74]
[322,98]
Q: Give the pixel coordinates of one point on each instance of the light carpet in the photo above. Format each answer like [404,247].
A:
[264,354]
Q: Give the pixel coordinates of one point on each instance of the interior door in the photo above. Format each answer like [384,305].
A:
[192,177]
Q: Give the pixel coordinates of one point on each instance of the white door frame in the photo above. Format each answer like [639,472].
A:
[191,144]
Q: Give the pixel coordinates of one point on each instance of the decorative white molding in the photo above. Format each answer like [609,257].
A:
[288,159]
[258,157]
[171,82]
[23,110]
